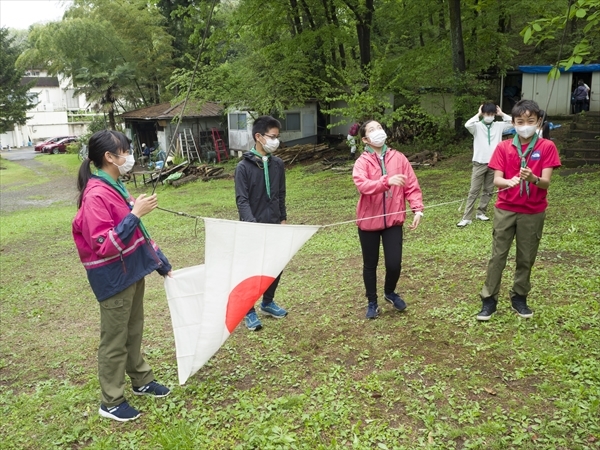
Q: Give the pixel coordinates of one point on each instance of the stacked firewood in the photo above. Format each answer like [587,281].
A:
[424,158]
[302,152]
[202,172]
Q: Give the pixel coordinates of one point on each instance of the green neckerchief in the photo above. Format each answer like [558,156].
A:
[489,127]
[265,160]
[523,157]
[120,188]
[381,158]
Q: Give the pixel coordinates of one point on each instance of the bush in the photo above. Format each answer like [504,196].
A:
[74,147]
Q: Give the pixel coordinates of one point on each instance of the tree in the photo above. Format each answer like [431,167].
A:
[14,98]
[584,37]
[115,52]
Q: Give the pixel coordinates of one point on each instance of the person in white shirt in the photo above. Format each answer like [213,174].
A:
[487,134]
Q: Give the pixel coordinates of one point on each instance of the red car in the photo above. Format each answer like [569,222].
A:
[39,147]
[59,146]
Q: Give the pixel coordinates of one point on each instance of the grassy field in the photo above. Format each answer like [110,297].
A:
[324,377]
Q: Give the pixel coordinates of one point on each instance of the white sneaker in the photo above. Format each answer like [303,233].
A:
[464,223]
[482,217]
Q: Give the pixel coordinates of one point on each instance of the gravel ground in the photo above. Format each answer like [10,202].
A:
[61,190]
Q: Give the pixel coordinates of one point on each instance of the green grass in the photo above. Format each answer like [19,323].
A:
[15,176]
[323,378]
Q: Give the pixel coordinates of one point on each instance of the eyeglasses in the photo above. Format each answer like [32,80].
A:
[271,137]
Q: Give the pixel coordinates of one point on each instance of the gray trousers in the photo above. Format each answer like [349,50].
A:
[121,329]
[527,228]
[481,176]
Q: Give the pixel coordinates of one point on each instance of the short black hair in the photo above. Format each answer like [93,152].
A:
[488,108]
[263,124]
[522,106]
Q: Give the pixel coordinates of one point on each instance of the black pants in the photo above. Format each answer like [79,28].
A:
[392,252]
[269,294]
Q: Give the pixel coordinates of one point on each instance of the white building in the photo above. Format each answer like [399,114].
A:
[55,97]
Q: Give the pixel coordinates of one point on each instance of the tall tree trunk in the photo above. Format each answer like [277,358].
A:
[109,100]
[296,17]
[458,55]
[456,37]
[364,21]
[329,5]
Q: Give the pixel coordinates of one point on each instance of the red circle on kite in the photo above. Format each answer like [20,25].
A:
[243,297]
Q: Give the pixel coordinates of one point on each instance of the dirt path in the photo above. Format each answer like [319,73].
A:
[60,190]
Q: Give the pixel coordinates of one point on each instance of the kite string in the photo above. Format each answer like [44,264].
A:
[437,205]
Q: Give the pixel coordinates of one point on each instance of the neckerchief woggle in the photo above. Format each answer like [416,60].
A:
[523,157]
[265,160]
[120,188]
[381,161]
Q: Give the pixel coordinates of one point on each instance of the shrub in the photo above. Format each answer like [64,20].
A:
[74,147]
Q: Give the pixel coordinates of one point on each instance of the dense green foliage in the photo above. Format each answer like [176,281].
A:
[114,52]
[14,99]
[269,56]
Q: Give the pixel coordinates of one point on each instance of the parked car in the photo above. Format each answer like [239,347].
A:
[39,147]
[59,146]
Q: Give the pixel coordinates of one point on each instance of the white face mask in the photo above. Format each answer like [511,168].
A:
[526,131]
[377,138]
[127,165]
[270,145]
[488,119]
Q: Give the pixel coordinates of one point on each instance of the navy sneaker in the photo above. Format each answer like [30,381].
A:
[487,309]
[273,310]
[372,310]
[120,413]
[252,321]
[153,389]
[396,300]
[519,304]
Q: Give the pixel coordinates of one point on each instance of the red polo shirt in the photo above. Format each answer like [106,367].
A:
[506,158]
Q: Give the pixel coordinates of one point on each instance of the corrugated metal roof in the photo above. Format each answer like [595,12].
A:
[165,111]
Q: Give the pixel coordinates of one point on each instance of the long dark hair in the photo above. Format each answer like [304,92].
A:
[101,142]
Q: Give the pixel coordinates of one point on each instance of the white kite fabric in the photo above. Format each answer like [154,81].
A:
[208,301]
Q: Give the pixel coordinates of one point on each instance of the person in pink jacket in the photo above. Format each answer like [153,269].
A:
[117,253]
[386,181]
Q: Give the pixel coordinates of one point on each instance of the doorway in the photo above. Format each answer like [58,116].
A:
[586,77]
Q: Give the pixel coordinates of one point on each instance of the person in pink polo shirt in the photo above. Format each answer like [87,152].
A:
[522,170]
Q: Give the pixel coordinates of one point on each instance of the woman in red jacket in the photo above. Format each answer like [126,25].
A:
[117,253]
[385,180]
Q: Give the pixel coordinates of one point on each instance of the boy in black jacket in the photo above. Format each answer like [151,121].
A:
[260,197]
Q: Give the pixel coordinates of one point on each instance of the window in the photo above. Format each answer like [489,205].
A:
[292,122]
[237,121]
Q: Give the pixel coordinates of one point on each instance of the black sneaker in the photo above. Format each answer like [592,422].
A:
[120,413]
[519,304]
[396,300]
[372,310]
[488,308]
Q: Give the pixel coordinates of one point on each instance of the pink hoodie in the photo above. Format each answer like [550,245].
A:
[377,197]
